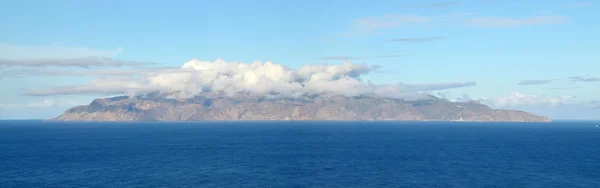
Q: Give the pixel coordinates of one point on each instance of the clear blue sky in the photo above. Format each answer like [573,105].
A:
[495,43]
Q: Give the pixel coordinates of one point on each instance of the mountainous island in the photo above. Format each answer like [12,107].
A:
[217,106]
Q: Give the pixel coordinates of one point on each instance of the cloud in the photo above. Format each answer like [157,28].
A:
[594,104]
[422,39]
[563,88]
[100,86]
[555,107]
[540,105]
[572,79]
[389,56]
[95,72]
[257,78]
[345,58]
[514,22]
[439,86]
[86,62]
[9,51]
[464,98]
[389,21]
[520,99]
[584,79]
[349,58]
[373,24]
[44,104]
[533,82]
[579,4]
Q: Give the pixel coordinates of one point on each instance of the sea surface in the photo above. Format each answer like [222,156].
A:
[299,154]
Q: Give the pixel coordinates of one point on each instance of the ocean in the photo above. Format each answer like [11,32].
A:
[299,154]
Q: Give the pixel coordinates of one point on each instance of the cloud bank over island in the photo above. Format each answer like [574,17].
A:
[258,78]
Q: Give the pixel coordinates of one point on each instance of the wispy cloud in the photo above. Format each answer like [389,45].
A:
[520,99]
[416,39]
[595,104]
[86,62]
[389,21]
[44,104]
[11,51]
[584,79]
[579,4]
[350,58]
[345,58]
[389,56]
[95,72]
[563,88]
[439,86]
[533,82]
[514,22]
[113,89]
[571,79]
[374,24]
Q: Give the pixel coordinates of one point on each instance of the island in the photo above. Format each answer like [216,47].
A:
[219,106]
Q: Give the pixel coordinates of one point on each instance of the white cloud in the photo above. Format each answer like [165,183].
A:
[10,51]
[520,99]
[40,104]
[260,78]
[514,22]
[555,107]
[517,100]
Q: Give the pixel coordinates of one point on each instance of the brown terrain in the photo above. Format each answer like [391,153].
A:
[213,106]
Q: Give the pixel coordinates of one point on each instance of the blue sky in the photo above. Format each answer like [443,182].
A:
[495,43]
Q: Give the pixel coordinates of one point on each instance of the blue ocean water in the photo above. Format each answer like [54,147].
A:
[299,154]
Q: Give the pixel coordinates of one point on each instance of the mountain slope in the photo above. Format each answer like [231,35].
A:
[212,106]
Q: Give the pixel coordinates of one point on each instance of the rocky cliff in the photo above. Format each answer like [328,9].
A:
[213,106]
